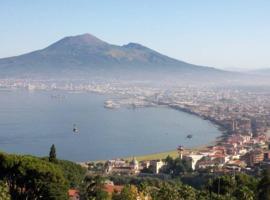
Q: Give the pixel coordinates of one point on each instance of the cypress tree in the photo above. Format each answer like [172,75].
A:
[52,155]
[264,186]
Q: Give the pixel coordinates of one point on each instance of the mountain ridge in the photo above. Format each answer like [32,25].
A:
[86,55]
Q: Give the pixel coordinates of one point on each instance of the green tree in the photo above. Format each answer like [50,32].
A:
[72,172]
[187,192]
[223,185]
[240,186]
[264,186]
[168,192]
[4,193]
[176,166]
[244,193]
[248,181]
[52,154]
[28,177]
[92,188]
[129,192]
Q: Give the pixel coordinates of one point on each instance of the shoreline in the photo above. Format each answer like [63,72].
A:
[213,121]
[157,154]
[174,153]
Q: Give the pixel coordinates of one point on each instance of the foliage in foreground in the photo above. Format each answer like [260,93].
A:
[32,178]
[28,177]
[4,193]
[175,167]
[227,187]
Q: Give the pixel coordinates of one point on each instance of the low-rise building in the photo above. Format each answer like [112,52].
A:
[156,165]
[122,167]
[193,159]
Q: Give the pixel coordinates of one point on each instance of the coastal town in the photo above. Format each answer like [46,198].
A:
[241,113]
[135,100]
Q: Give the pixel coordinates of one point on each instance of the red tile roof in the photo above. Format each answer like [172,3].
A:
[112,188]
[72,192]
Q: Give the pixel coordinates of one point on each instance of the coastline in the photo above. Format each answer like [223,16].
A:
[158,155]
[164,154]
[174,153]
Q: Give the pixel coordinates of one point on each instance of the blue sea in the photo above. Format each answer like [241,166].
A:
[30,122]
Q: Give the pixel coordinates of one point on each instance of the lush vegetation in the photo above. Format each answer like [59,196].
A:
[4,192]
[176,166]
[28,177]
[227,187]
[92,189]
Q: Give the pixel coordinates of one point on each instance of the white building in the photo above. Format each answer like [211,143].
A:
[157,165]
[193,159]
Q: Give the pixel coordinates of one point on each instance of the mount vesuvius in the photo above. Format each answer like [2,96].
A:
[85,56]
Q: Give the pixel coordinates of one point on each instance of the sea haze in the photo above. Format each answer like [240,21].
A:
[32,121]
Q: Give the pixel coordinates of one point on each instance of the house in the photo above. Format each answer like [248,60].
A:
[157,165]
[193,159]
[205,164]
[235,165]
[122,167]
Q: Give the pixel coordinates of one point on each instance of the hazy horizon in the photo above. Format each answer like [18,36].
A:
[226,35]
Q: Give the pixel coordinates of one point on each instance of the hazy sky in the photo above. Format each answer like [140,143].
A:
[219,33]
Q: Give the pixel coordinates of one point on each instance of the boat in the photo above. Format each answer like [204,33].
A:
[110,105]
[75,129]
[189,136]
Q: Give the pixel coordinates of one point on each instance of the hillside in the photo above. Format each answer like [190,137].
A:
[85,56]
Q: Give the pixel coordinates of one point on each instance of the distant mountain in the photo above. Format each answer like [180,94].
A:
[262,71]
[85,56]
